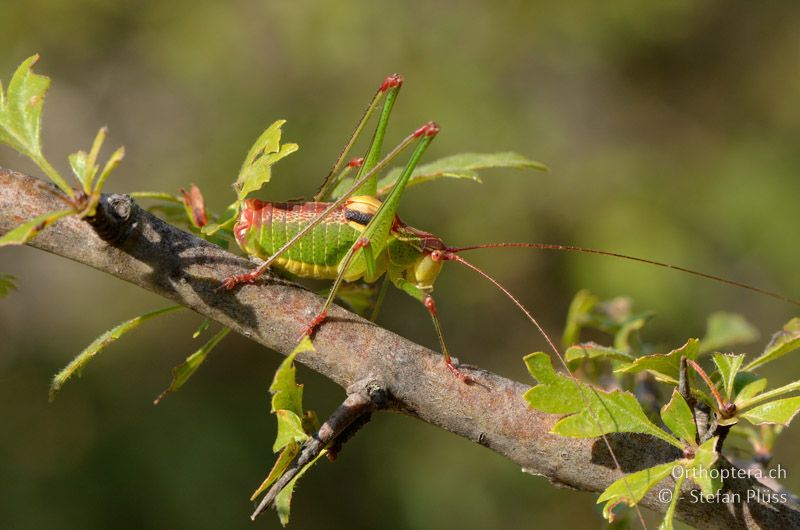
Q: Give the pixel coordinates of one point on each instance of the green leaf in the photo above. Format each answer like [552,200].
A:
[581,306]
[632,324]
[256,169]
[31,228]
[358,297]
[698,468]
[591,350]
[185,370]
[84,165]
[283,501]
[782,342]
[781,412]
[679,418]
[750,390]
[664,367]
[595,412]
[158,195]
[766,396]
[666,523]
[554,394]
[461,166]
[80,361]
[631,488]
[286,393]
[290,428]
[728,366]
[111,164]
[202,327]
[7,284]
[284,459]
[615,411]
[230,215]
[726,329]
[20,117]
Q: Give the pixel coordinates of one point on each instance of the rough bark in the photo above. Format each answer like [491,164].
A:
[185,269]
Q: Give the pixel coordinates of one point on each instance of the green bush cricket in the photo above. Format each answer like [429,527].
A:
[358,236]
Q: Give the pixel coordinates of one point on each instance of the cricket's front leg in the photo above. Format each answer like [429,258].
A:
[430,304]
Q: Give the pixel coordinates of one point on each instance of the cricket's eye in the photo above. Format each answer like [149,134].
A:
[436,255]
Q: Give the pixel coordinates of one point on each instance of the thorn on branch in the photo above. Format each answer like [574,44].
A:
[113,218]
[364,397]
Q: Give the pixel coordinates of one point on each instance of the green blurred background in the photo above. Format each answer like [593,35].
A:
[671,131]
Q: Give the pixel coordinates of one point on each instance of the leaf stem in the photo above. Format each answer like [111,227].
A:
[721,403]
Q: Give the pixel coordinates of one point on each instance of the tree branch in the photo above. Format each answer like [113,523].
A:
[183,268]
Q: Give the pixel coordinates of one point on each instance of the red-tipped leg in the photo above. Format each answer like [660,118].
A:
[318,320]
[394,80]
[429,129]
[232,281]
[430,305]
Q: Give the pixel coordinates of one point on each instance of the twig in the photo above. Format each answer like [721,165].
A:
[181,267]
[363,398]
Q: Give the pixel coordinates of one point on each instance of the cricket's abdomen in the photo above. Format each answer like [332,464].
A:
[264,227]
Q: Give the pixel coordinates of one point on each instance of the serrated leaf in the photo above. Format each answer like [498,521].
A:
[21,109]
[591,350]
[728,366]
[664,367]
[726,329]
[461,166]
[594,412]
[79,362]
[20,117]
[782,342]
[631,488]
[780,412]
[283,461]
[581,306]
[290,428]
[679,418]
[615,411]
[256,169]
[554,394]
[185,370]
[7,284]
[283,501]
[31,228]
[286,393]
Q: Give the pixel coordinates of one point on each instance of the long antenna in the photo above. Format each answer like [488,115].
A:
[571,248]
[451,255]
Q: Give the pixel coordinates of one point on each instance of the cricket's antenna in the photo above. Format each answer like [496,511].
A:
[571,248]
[451,255]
